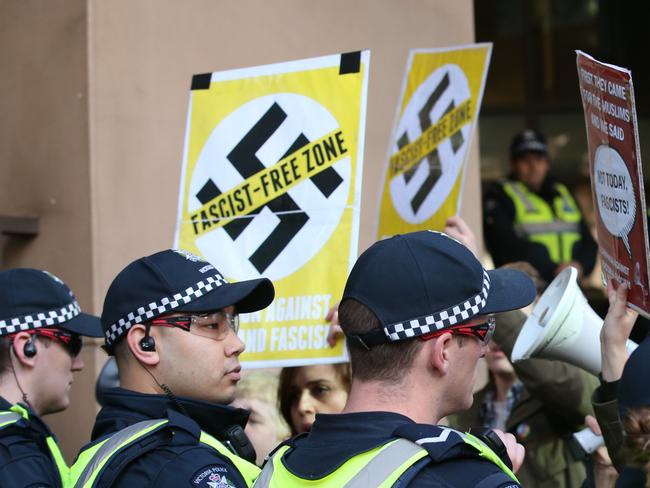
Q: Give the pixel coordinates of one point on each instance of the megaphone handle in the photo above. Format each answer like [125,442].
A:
[631,346]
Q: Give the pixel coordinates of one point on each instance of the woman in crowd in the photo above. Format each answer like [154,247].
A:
[305,391]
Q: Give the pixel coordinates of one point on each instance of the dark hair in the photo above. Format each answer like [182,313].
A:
[286,399]
[385,362]
[636,446]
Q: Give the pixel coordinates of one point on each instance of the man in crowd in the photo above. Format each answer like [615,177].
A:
[416,313]
[171,321]
[541,402]
[532,218]
[40,328]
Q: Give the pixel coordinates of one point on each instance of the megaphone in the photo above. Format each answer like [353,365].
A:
[563,326]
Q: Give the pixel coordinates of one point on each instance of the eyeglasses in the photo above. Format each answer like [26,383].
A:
[483,331]
[70,341]
[214,325]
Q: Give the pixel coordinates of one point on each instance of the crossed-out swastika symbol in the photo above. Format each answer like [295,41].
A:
[292,218]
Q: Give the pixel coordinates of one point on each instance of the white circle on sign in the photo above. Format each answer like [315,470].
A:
[614,193]
[404,193]
[232,257]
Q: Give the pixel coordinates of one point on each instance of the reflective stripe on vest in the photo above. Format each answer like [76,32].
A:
[91,461]
[380,467]
[16,413]
[7,418]
[556,227]
[248,471]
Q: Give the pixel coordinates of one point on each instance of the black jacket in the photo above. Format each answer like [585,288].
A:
[25,459]
[181,460]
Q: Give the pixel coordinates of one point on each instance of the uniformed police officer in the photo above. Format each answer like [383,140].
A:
[416,313]
[532,218]
[40,328]
[171,320]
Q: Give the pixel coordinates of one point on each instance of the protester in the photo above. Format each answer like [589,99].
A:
[171,321]
[305,391]
[623,398]
[257,393]
[532,218]
[40,328]
[416,313]
[541,402]
[616,329]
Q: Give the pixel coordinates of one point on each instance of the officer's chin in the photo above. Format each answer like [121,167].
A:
[56,407]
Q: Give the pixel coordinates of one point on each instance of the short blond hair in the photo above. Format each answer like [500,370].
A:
[263,386]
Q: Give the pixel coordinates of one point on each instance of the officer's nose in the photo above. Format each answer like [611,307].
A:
[77,363]
[234,345]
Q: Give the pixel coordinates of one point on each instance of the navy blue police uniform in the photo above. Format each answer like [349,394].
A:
[36,302]
[167,459]
[336,438]
[25,458]
[161,440]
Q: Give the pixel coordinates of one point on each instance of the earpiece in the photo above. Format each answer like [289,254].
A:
[29,350]
[147,343]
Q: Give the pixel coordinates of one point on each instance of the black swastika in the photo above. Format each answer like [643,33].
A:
[433,158]
[292,217]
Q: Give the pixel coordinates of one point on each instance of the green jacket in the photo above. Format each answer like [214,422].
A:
[552,405]
[606,410]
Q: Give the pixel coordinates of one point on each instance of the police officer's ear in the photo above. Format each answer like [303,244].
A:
[142,343]
[25,349]
[439,350]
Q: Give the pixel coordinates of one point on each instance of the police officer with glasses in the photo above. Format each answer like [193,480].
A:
[416,312]
[171,321]
[41,325]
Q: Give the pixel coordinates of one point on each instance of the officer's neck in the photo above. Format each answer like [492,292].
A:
[13,393]
[405,398]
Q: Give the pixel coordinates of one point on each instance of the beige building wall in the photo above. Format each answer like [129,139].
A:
[101,111]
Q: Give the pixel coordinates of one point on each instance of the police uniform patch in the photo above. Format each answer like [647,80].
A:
[187,255]
[214,476]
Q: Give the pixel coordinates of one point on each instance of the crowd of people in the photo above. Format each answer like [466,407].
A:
[419,312]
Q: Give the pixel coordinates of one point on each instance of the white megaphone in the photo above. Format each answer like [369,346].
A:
[563,326]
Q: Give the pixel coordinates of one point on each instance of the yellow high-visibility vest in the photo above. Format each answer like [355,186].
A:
[13,415]
[91,461]
[380,467]
[556,227]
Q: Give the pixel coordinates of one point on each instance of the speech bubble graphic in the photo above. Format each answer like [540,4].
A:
[614,193]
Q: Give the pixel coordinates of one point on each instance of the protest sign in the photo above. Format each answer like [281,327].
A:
[616,175]
[427,154]
[271,186]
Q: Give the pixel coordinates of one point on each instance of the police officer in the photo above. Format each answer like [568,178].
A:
[416,313]
[40,328]
[171,320]
[532,218]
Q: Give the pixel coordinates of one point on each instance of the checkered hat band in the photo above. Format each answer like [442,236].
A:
[164,305]
[41,319]
[440,320]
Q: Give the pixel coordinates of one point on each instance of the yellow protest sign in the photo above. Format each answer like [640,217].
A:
[436,115]
[270,187]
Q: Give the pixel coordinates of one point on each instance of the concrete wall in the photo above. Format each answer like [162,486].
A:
[115,156]
[44,160]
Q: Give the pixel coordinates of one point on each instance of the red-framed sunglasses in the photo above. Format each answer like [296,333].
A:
[214,325]
[70,341]
[483,331]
